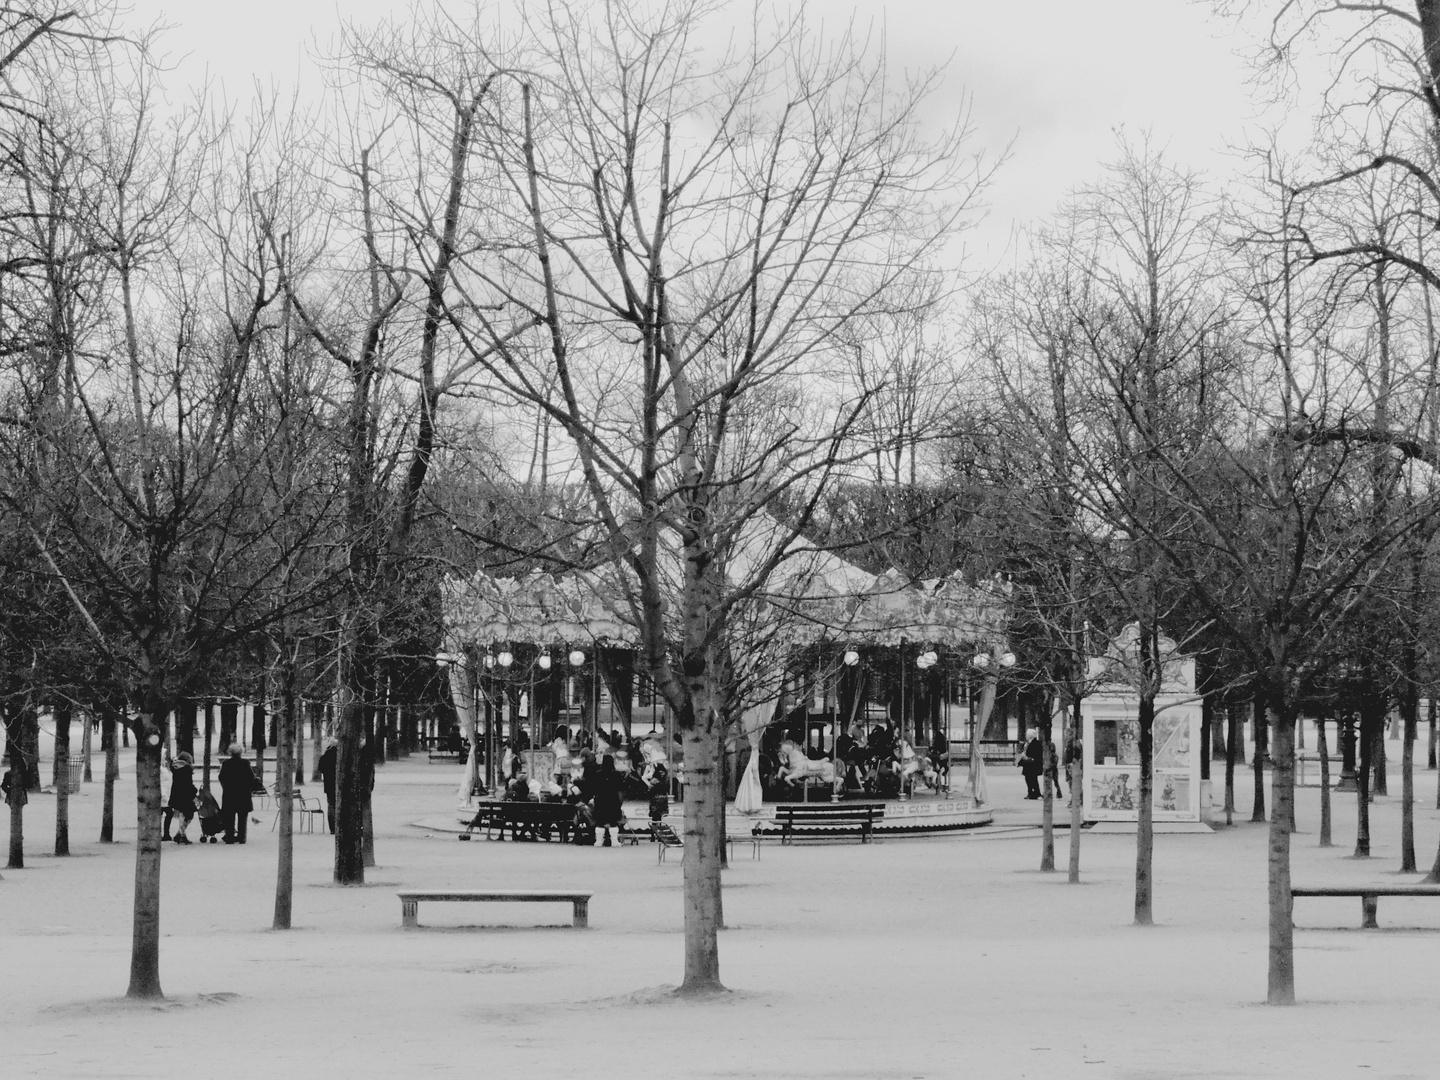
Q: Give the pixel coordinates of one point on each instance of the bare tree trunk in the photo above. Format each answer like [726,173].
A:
[110,746]
[1409,706]
[1144,815]
[285,792]
[1077,781]
[85,740]
[702,856]
[1430,763]
[1380,785]
[1232,745]
[1324,748]
[1281,989]
[62,715]
[145,932]
[1262,751]
[1362,788]
[1047,790]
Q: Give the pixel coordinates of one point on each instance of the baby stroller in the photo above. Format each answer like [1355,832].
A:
[212,821]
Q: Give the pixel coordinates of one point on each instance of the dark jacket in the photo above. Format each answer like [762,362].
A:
[182,788]
[327,772]
[606,792]
[1032,763]
[237,782]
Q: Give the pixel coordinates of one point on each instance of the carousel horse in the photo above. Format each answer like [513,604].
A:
[796,768]
[654,760]
[915,765]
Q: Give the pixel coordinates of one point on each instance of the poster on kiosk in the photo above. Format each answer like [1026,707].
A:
[1111,733]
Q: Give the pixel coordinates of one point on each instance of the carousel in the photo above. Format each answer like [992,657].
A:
[871,694]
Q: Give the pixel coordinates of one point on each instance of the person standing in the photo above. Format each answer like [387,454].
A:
[182,797]
[608,812]
[327,781]
[237,783]
[1032,764]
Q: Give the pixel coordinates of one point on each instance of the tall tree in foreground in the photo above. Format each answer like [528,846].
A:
[706,226]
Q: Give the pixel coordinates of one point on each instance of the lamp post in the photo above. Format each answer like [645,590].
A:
[989,664]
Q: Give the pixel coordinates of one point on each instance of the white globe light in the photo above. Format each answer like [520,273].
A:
[577,658]
[544,661]
[921,662]
[153,739]
[981,660]
[1007,659]
[931,658]
[851,657]
[505,659]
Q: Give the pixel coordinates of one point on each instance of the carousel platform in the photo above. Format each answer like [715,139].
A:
[903,817]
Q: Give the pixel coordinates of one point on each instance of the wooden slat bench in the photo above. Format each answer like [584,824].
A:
[526,820]
[821,821]
[410,901]
[1369,896]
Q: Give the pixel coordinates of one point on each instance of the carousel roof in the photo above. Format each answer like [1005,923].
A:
[812,596]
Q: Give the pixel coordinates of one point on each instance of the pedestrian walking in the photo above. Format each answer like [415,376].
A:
[1032,764]
[607,801]
[181,803]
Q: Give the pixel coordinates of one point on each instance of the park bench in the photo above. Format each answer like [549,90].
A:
[526,820]
[822,821]
[1369,896]
[410,901]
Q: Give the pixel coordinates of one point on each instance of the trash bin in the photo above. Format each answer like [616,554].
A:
[76,771]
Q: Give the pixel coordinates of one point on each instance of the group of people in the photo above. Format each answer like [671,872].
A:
[1040,759]
[871,761]
[230,816]
[594,783]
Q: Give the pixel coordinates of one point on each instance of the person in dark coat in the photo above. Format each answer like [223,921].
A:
[1032,765]
[237,783]
[182,798]
[606,792]
[326,766]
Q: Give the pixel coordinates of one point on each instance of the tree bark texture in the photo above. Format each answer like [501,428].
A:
[1324,749]
[145,930]
[702,856]
[1281,988]
[110,746]
[62,714]
[1047,805]
[1077,796]
[1145,816]
[1262,751]
[1362,785]
[1232,746]
[284,796]
[1407,796]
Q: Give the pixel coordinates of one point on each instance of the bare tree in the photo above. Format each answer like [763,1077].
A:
[705,230]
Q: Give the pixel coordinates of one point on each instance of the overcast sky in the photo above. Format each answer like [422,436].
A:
[1056,77]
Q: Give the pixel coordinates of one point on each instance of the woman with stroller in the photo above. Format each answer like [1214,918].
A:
[182,797]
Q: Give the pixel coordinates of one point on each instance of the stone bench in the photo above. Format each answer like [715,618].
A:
[1369,896]
[410,901]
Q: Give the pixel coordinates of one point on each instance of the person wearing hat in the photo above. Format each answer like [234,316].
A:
[182,797]
[237,783]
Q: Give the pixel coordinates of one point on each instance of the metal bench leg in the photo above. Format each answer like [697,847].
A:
[408,917]
[1369,905]
[582,914]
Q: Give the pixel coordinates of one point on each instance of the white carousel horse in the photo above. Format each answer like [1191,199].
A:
[796,768]
[916,766]
[652,754]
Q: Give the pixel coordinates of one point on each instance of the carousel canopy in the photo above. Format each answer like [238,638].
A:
[812,596]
